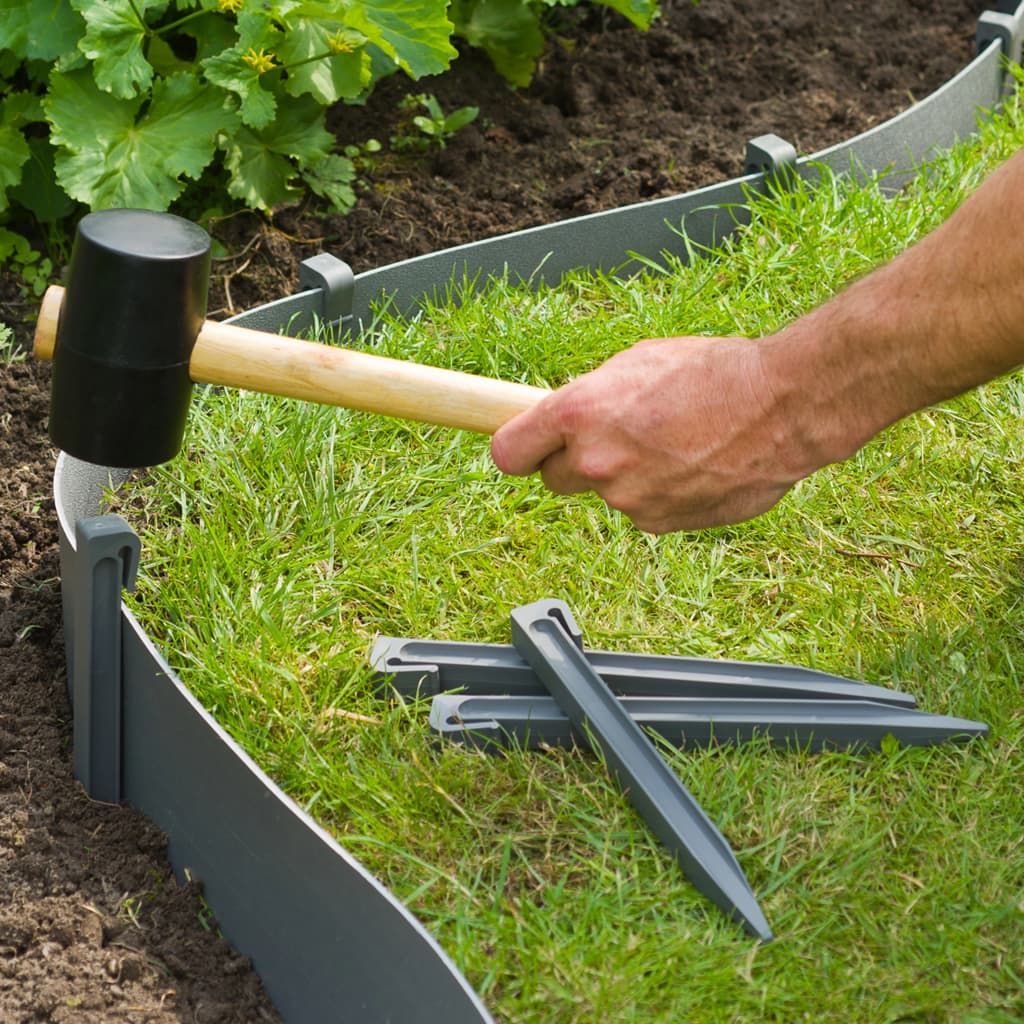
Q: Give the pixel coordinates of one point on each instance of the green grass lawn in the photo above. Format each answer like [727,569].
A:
[288,536]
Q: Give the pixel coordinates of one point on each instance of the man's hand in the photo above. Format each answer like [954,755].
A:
[684,433]
[677,433]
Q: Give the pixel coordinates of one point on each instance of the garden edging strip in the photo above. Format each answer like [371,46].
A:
[328,940]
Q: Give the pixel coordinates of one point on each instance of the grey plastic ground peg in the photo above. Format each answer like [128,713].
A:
[542,633]
[105,563]
[685,722]
[427,667]
[771,156]
[336,281]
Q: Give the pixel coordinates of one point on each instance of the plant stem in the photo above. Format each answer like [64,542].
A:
[179,22]
[306,60]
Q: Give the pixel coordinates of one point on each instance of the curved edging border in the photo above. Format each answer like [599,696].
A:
[329,941]
[614,239]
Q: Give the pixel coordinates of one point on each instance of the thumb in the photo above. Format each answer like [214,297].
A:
[519,446]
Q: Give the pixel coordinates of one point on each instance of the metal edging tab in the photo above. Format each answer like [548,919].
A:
[1005,27]
[336,282]
[771,156]
[106,561]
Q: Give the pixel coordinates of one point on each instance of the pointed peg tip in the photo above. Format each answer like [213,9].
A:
[757,925]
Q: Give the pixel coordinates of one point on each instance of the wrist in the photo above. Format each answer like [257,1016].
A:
[940,319]
[832,389]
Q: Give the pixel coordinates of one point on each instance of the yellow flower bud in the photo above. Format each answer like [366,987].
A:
[338,43]
[259,60]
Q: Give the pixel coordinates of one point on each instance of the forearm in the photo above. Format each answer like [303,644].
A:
[942,318]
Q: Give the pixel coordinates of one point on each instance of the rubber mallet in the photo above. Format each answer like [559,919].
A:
[128,339]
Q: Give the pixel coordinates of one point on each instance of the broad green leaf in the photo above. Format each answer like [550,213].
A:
[331,178]
[299,131]
[39,29]
[416,33]
[8,244]
[640,12]
[337,74]
[282,10]
[112,153]
[114,43]
[260,177]
[237,70]
[231,72]
[23,108]
[39,191]
[14,152]
[213,34]
[81,115]
[9,63]
[289,11]
[163,59]
[19,109]
[261,162]
[70,61]
[187,116]
[506,30]
[257,31]
[340,76]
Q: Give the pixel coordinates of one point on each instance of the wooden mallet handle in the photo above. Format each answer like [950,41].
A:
[242,358]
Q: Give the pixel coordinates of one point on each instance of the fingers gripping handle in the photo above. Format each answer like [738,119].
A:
[232,356]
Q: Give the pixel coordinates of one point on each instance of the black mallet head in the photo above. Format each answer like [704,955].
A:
[135,301]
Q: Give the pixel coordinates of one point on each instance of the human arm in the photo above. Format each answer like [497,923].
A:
[686,433]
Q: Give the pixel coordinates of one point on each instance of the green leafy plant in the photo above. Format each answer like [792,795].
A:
[29,266]
[9,352]
[511,32]
[127,102]
[433,129]
[139,97]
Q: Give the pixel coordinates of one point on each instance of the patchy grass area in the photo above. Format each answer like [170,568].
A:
[288,536]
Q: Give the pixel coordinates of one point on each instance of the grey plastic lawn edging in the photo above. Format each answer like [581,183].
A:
[328,940]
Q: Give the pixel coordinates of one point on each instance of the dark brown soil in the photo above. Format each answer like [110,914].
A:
[93,926]
[614,116]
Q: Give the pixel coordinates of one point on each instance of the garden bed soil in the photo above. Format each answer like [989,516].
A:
[93,925]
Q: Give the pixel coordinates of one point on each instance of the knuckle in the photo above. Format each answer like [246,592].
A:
[596,465]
